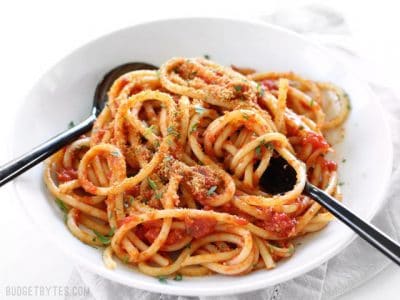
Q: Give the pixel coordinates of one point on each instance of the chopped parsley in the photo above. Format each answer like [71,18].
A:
[238,88]
[269,146]
[131,199]
[172,131]
[168,158]
[206,56]
[245,116]
[112,231]
[178,277]
[125,259]
[151,184]
[258,151]
[343,160]
[194,127]
[149,130]
[311,102]
[260,90]
[71,124]
[61,205]
[199,109]
[193,75]
[212,190]
[162,279]
[104,239]
[159,196]
[115,153]
[341,183]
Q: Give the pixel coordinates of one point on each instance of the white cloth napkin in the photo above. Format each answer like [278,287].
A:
[358,262]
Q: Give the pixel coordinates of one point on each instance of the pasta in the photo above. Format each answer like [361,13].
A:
[169,178]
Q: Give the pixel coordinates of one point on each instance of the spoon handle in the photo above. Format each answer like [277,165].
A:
[19,165]
[368,232]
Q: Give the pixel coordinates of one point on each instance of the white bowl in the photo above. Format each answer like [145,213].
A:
[65,93]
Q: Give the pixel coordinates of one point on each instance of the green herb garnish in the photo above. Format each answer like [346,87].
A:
[311,102]
[206,56]
[115,153]
[151,184]
[343,160]
[62,206]
[111,232]
[199,109]
[194,127]
[149,130]
[104,239]
[212,190]
[162,279]
[258,150]
[178,277]
[168,158]
[238,88]
[260,90]
[172,131]
[269,146]
[159,196]
[71,124]
[245,116]
[193,75]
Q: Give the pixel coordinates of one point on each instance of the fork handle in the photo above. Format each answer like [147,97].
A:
[368,232]
[23,163]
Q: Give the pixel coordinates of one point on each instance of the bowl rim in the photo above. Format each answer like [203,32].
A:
[239,288]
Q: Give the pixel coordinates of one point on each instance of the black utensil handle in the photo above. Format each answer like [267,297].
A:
[41,152]
[368,232]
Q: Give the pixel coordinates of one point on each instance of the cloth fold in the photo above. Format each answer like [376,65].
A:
[355,264]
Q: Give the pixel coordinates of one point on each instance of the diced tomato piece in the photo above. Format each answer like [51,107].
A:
[269,84]
[316,140]
[126,220]
[174,236]
[279,223]
[330,165]
[66,174]
[200,227]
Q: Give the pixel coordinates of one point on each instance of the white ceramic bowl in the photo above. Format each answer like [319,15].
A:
[65,93]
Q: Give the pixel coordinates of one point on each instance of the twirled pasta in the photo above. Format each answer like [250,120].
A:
[168,179]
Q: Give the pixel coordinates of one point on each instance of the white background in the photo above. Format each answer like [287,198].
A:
[34,35]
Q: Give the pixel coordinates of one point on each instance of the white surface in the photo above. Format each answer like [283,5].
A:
[69,86]
[34,38]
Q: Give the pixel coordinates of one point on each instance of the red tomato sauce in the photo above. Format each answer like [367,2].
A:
[269,84]
[316,140]
[278,223]
[66,174]
[199,227]
[174,236]
[330,165]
